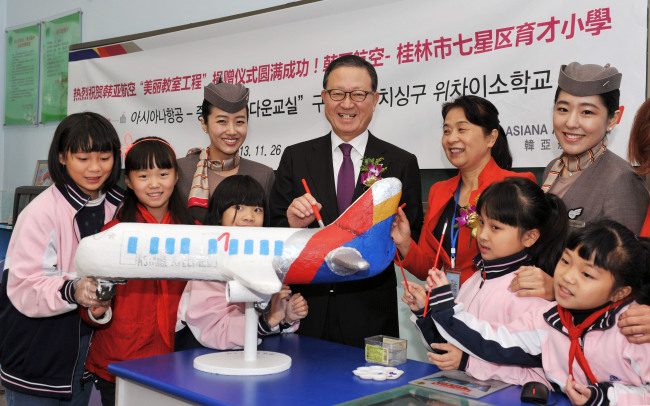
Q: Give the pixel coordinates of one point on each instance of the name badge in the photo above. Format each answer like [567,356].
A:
[453,276]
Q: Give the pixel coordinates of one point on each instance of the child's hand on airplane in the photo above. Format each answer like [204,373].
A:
[400,232]
[297,308]
[278,305]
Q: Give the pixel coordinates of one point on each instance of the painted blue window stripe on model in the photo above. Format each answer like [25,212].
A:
[213,243]
[212,246]
[264,247]
[153,245]
[132,245]
[169,246]
[185,245]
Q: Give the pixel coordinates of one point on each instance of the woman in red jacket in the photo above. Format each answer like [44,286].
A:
[476,144]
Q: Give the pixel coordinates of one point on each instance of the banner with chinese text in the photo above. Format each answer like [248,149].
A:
[426,53]
[21,91]
[58,35]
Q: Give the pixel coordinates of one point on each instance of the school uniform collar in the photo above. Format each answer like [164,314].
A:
[144,216]
[78,199]
[115,195]
[496,268]
[604,322]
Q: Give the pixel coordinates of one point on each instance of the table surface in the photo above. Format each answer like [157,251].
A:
[320,374]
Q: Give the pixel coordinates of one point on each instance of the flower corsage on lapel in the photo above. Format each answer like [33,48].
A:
[469,218]
[371,169]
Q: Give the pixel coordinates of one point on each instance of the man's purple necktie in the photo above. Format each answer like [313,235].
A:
[345,185]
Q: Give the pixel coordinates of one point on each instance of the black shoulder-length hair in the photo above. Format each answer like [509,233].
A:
[521,203]
[483,113]
[614,248]
[234,190]
[149,153]
[83,132]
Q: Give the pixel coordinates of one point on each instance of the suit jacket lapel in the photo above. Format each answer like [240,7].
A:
[322,174]
[373,150]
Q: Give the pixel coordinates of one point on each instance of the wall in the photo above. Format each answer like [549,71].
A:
[4,197]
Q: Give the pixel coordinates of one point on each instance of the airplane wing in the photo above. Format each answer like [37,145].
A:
[254,273]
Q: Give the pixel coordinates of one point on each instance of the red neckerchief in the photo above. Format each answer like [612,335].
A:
[575,332]
[162,298]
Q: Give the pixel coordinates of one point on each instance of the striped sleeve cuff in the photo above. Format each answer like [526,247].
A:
[599,394]
[67,291]
[289,327]
[464,359]
[104,319]
[441,299]
[264,328]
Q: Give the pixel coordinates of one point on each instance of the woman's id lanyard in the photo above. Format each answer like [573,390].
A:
[453,235]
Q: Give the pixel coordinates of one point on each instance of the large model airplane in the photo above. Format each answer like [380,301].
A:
[254,261]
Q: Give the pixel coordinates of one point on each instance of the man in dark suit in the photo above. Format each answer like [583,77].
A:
[350,311]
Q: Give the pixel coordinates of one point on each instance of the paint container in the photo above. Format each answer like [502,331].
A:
[385,350]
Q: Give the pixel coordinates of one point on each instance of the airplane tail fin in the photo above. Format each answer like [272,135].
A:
[357,245]
[376,205]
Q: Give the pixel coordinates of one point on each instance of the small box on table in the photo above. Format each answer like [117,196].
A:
[385,350]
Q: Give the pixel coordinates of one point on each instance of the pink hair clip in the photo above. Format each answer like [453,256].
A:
[127,144]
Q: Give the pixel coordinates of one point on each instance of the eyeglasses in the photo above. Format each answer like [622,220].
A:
[355,95]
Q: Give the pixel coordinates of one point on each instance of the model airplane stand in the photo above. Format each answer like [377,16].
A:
[247,362]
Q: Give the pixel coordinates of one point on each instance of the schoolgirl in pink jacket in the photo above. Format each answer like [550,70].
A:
[518,226]
[603,270]
[43,341]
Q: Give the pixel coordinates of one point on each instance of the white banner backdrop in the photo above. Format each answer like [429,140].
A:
[425,52]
